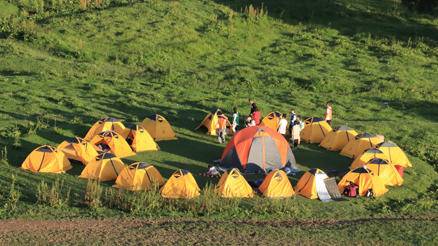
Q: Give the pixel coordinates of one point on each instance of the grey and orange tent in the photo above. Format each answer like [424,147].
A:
[257,148]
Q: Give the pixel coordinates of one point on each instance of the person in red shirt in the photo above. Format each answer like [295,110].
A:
[328,116]
[256,115]
[221,128]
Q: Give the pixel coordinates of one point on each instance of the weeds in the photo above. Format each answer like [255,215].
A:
[12,198]
[93,195]
[53,196]
[252,12]
[4,155]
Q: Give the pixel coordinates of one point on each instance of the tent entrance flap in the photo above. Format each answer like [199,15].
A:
[321,189]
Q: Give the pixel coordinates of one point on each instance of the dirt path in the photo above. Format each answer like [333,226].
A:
[190,231]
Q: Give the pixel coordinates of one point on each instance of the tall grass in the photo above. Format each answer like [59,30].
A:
[53,195]
[93,194]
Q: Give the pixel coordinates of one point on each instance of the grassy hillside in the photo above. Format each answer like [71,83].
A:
[63,67]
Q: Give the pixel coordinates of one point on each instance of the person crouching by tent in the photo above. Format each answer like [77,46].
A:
[296,129]
[329,113]
[236,119]
[249,122]
[221,128]
[256,115]
[282,125]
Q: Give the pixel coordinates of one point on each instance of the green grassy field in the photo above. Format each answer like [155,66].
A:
[62,68]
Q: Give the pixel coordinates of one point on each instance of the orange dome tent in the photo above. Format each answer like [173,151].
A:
[139,176]
[78,149]
[113,142]
[315,130]
[395,154]
[272,120]
[365,180]
[140,140]
[107,124]
[361,143]
[257,148]
[210,122]
[386,171]
[158,127]
[233,185]
[181,184]
[46,159]
[338,138]
[276,185]
[366,157]
[311,185]
[105,167]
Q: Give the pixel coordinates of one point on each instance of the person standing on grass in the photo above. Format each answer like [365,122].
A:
[329,113]
[296,138]
[221,128]
[253,106]
[256,115]
[236,119]
[293,118]
[282,125]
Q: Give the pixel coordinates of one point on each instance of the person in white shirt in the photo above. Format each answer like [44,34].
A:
[296,129]
[282,125]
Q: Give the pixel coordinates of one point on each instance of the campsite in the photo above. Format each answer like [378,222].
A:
[108,112]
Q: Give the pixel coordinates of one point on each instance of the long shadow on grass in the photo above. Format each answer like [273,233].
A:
[193,149]
[312,156]
[346,19]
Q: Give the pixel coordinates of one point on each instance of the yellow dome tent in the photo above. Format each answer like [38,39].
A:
[78,149]
[365,180]
[386,171]
[315,130]
[311,185]
[233,185]
[276,185]
[105,167]
[180,185]
[139,176]
[366,157]
[113,142]
[395,154]
[140,140]
[107,124]
[210,122]
[46,159]
[272,120]
[361,143]
[338,138]
[159,128]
